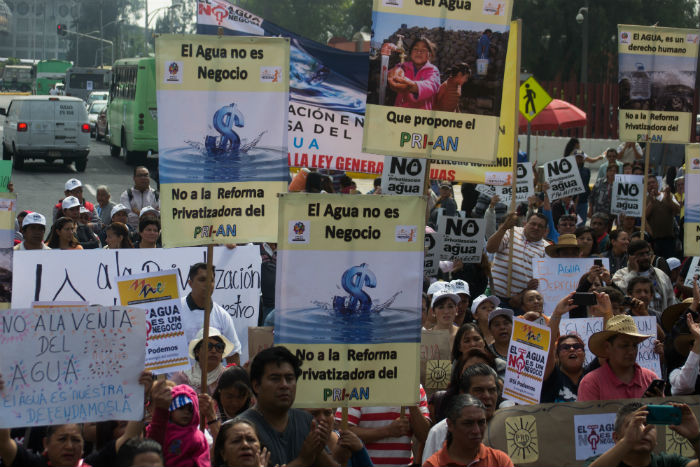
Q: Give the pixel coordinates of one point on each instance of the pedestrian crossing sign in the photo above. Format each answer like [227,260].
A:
[533,98]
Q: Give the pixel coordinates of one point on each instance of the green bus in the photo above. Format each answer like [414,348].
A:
[132,115]
[48,73]
[17,78]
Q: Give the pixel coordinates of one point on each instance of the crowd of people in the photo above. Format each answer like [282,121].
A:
[246,410]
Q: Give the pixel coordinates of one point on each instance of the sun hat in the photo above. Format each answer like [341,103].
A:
[673,312]
[118,208]
[623,325]
[72,184]
[213,332]
[500,312]
[565,241]
[459,286]
[33,218]
[482,298]
[444,293]
[70,202]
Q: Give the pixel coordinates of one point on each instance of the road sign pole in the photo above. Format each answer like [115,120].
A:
[529,132]
[509,280]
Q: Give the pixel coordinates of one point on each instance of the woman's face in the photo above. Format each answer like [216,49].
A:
[150,234]
[233,399]
[471,340]
[571,355]
[483,310]
[114,241]
[445,312]
[620,245]
[533,301]
[64,447]
[585,241]
[65,233]
[420,54]
[241,447]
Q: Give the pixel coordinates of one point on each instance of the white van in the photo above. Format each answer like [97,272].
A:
[46,127]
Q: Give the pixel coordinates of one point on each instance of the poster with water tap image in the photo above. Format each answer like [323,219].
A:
[348,296]
[222,134]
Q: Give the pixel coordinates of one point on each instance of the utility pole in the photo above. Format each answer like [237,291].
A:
[102,55]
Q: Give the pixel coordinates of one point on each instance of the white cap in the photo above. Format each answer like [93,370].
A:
[437,285]
[500,312]
[673,263]
[146,209]
[34,218]
[481,298]
[118,208]
[442,293]
[459,286]
[84,210]
[70,202]
[72,184]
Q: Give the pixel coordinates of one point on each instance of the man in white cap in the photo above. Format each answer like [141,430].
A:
[33,230]
[74,187]
[619,377]
[86,237]
[139,196]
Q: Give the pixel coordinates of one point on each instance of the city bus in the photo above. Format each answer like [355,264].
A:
[81,81]
[48,73]
[132,112]
[17,78]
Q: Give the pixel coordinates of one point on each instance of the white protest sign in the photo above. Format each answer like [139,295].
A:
[91,275]
[71,365]
[498,178]
[563,177]
[488,190]
[646,357]
[402,176]
[157,293]
[461,238]
[431,260]
[560,276]
[527,358]
[584,328]
[627,195]
[593,434]
[693,270]
[525,187]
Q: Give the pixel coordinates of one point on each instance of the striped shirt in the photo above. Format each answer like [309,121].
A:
[387,451]
[523,253]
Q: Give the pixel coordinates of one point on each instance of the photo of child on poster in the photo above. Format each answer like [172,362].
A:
[436,64]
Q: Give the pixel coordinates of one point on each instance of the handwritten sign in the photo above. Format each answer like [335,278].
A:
[527,358]
[627,195]
[71,365]
[584,328]
[563,177]
[593,434]
[646,357]
[461,238]
[158,294]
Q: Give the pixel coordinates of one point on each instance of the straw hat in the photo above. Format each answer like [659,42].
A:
[617,325]
[565,241]
[672,313]
[213,332]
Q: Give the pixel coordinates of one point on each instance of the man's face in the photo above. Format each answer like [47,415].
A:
[468,430]
[34,234]
[485,389]
[642,291]
[644,445]
[622,351]
[141,179]
[598,226]
[102,197]
[72,213]
[652,185]
[535,229]
[643,258]
[199,284]
[566,226]
[444,192]
[277,387]
[120,216]
[611,156]
[77,192]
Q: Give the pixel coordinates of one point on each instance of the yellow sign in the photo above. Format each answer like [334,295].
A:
[533,98]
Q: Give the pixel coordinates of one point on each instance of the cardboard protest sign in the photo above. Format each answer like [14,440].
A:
[656,78]
[220,184]
[527,358]
[92,275]
[357,330]
[584,328]
[563,177]
[431,260]
[403,176]
[71,365]
[693,270]
[691,227]
[593,434]
[158,294]
[627,195]
[560,276]
[259,338]
[646,357]
[461,238]
[432,117]
[435,359]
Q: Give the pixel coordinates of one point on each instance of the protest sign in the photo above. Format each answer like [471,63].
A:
[8,203]
[560,276]
[593,434]
[646,357]
[527,358]
[71,365]
[436,119]
[563,177]
[357,329]
[435,359]
[92,275]
[220,184]
[5,175]
[259,338]
[627,195]
[584,328]
[691,226]
[657,82]
[693,270]
[525,187]
[431,259]
[403,176]
[159,295]
[461,238]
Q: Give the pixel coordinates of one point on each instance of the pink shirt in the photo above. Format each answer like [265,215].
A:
[602,384]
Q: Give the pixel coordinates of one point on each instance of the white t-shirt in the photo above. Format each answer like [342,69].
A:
[629,155]
[193,321]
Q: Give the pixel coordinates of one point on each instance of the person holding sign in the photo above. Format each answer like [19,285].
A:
[601,195]
[417,81]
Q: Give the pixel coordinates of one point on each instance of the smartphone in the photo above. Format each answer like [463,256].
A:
[584,299]
[664,415]
[598,262]
[627,301]
[657,384]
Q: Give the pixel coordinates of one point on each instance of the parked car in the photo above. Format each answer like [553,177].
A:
[101,131]
[93,111]
[46,127]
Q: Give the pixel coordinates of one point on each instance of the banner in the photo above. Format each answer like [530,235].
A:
[694,269]
[327,89]
[527,358]
[461,238]
[71,365]
[341,305]
[560,276]
[439,97]
[403,176]
[691,226]
[92,276]
[593,434]
[656,83]
[431,260]
[627,195]
[158,294]
[563,177]
[222,167]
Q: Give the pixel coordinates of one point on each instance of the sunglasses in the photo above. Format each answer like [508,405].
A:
[216,345]
[571,346]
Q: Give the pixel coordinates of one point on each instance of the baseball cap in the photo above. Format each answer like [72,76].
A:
[445,293]
[70,202]
[673,263]
[500,312]
[72,184]
[146,209]
[435,286]
[459,286]
[481,298]
[118,208]
[84,210]
[34,218]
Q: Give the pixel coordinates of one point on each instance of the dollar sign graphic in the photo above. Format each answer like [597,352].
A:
[353,280]
[224,120]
